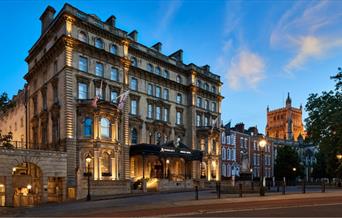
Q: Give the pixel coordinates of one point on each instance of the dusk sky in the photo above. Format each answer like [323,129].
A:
[261,49]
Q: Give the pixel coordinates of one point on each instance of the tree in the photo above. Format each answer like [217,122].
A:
[5,102]
[287,159]
[319,168]
[5,140]
[324,124]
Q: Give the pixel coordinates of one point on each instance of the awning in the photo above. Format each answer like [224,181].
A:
[166,150]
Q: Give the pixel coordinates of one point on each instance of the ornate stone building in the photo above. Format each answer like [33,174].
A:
[171,104]
[285,123]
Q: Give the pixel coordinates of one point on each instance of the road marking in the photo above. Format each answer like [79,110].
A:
[247,209]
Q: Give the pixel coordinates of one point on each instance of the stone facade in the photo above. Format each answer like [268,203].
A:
[285,123]
[79,58]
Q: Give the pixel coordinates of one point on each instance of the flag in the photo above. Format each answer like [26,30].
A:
[214,122]
[123,98]
[97,97]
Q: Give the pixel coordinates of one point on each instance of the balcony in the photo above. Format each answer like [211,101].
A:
[21,145]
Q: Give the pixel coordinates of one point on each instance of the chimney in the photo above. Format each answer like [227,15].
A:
[157,46]
[111,21]
[134,35]
[206,68]
[47,17]
[178,55]
[240,127]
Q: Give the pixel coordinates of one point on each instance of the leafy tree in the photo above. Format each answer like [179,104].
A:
[324,124]
[5,140]
[287,159]
[319,168]
[5,102]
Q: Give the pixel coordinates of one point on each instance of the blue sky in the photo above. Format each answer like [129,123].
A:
[261,49]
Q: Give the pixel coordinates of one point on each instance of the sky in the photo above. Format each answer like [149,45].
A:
[261,49]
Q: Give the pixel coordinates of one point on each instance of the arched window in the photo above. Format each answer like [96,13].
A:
[134,136]
[213,89]
[206,86]
[134,62]
[99,43]
[179,79]
[87,127]
[82,36]
[158,70]
[113,49]
[224,170]
[105,164]
[105,127]
[199,83]
[166,74]
[150,68]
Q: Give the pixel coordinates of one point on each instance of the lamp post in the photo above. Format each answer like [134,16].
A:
[88,160]
[294,169]
[339,158]
[262,144]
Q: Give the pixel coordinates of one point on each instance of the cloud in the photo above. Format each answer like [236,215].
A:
[310,29]
[246,68]
[169,11]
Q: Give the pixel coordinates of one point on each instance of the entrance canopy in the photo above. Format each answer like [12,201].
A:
[167,150]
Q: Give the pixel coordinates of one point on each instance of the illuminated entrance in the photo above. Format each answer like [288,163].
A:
[27,185]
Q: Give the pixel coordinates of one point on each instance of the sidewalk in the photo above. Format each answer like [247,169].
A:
[154,201]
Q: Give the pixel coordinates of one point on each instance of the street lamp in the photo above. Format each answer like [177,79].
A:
[339,156]
[167,168]
[88,160]
[262,144]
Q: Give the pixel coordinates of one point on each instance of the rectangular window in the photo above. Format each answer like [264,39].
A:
[158,113]
[158,91]
[206,121]
[179,98]
[199,102]
[98,92]
[198,120]
[150,89]
[178,117]
[166,114]
[99,69]
[55,93]
[213,106]
[114,74]
[134,109]
[206,105]
[113,96]
[83,64]
[82,91]
[134,84]
[166,94]
[150,111]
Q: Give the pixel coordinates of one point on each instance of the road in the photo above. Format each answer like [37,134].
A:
[183,204]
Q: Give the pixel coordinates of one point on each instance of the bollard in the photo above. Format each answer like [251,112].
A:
[284,187]
[196,192]
[240,190]
[218,190]
[323,187]
[303,187]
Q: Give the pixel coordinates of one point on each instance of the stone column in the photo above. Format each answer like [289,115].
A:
[96,164]
[44,189]
[113,131]
[96,128]
[113,168]
[99,168]
[143,134]
[9,192]
[209,170]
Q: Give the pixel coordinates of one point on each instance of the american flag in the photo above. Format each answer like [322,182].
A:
[123,98]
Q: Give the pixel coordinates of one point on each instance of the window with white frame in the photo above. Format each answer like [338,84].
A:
[198,120]
[134,107]
[98,92]
[206,121]
[105,127]
[223,153]
[166,114]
